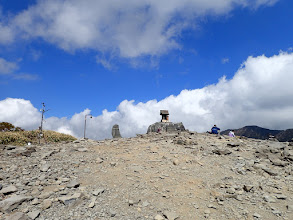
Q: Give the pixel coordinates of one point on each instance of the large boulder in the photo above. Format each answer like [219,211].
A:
[166,127]
[115,131]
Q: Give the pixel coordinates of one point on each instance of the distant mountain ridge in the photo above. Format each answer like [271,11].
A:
[262,133]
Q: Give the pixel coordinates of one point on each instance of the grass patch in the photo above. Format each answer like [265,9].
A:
[21,138]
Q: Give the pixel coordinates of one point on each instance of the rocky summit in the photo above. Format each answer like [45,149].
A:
[168,127]
[183,175]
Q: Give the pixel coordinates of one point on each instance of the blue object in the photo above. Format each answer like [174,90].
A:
[215,130]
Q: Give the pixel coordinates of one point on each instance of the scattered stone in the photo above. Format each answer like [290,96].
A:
[9,189]
[11,203]
[221,151]
[140,178]
[247,188]
[98,192]
[289,208]
[35,201]
[233,144]
[159,217]
[45,167]
[33,215]
[99,160]
[82,149]
[46,204]
[73,184]
[170,215]
[17,216]
[281,196]
[68,199]
[256,215]
[175,161]
[269,199]
[92,203]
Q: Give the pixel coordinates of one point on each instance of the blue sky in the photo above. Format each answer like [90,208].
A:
[141,52]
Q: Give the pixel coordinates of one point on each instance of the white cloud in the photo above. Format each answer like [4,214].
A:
[7,67]
[129,28]
[260,93]
[225,60]
[25,76]
[19,112]
[10,69]
[105,63]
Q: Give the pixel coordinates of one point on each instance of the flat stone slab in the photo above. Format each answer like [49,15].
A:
[11,203]
[68,199]
[8,189]
[73,184]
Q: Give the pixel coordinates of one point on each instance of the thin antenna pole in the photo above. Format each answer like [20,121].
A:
[41,127]
[43,111]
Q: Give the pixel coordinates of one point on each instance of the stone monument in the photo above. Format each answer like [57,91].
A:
[115,131]
[165,125]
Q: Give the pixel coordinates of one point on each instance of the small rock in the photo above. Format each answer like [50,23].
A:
[269,199]
[35,201]
[231,191]
[8,190]
[175,161]
[170,215]
[221,151]
[17,216]
[68,199]
[46,204]
[92,203]
[34,214]
[281,196]
[45,167]
[112,213]
[207,211]
[98,192]
[73,184]
[247,188]
[11,203]
[289,208]
[113,164]
[159,217]
[82,149]
[99,160]
[256,215]
[145,204]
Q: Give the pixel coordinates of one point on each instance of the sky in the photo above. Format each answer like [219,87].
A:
[224,62]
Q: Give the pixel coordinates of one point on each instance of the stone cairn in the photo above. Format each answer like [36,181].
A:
[165,125]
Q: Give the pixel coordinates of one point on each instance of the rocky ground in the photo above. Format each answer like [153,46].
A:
[155,176]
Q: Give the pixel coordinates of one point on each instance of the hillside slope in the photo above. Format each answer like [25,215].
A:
[154,176]
[261,133]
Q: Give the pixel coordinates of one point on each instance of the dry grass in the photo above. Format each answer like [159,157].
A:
[21,138]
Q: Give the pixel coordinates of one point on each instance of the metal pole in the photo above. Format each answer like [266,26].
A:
[84,126]
[41,127]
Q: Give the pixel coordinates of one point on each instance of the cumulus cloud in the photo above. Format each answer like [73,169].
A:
[19,112]
[129,28]
[260,93]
